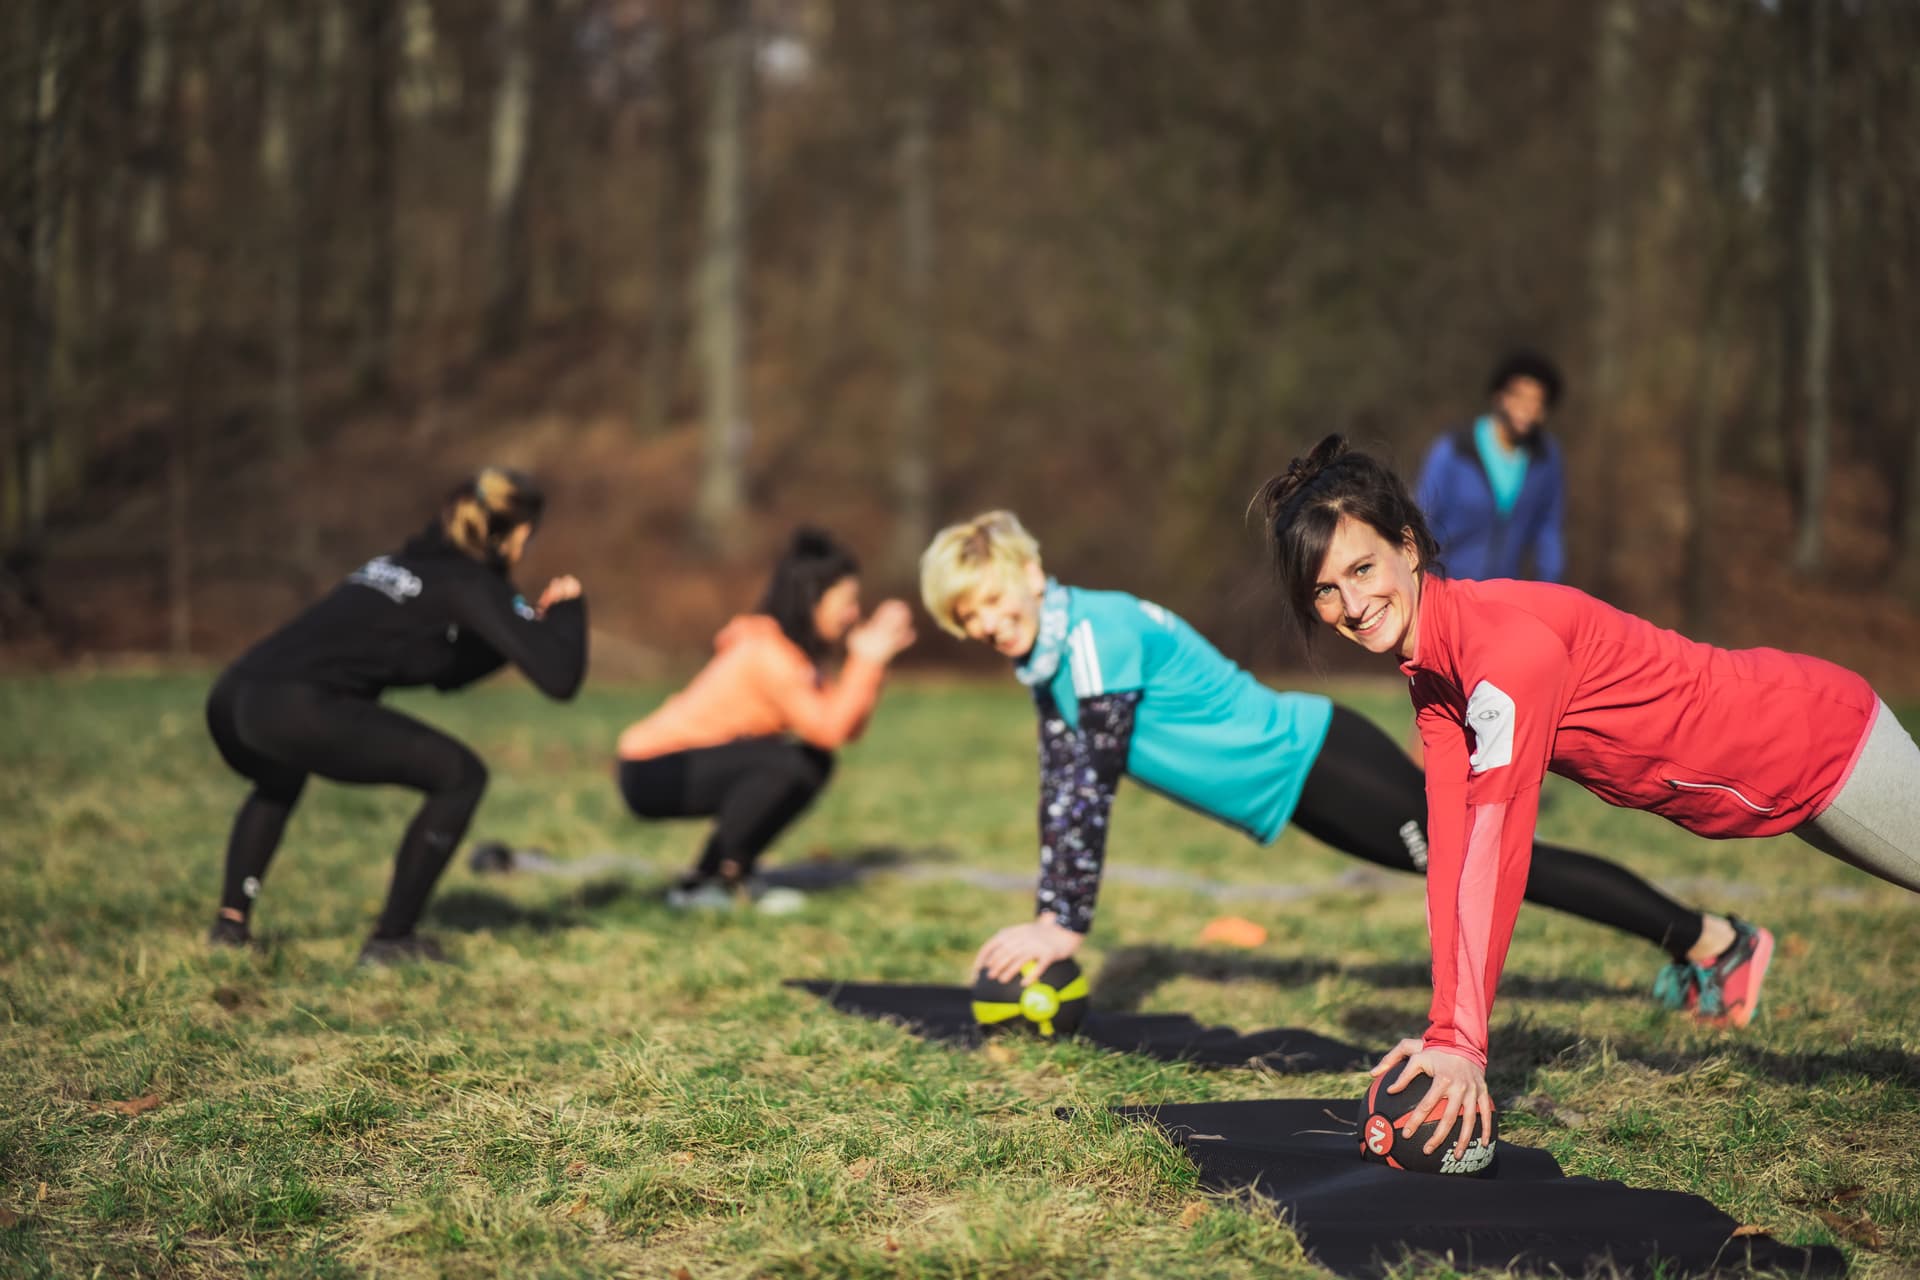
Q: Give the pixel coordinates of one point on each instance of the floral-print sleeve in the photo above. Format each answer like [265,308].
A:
[1079,772]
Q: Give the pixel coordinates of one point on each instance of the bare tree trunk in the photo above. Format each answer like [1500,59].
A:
[1452,79]
[913,462]
[1907,550]
[510,257]
[675,172]
[723,320]
[380,56]
[184,319]
[1607,267]
[38,321]
[1817,388]
[282,158]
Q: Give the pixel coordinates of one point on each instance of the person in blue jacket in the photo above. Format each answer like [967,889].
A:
[1124,687]
[1494,492]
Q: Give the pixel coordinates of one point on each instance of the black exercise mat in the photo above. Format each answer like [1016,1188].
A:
[1358,1219]
[946,1014]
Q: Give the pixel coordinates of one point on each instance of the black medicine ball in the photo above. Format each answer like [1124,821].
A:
[1054,1004]
[1380,1141]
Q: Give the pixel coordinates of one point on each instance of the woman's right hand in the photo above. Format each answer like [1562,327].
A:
[884,635]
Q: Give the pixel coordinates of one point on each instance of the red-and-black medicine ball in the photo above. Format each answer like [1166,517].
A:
[1381,1114]
[1053,1004]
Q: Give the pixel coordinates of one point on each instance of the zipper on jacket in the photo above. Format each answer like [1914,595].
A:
[1678,785]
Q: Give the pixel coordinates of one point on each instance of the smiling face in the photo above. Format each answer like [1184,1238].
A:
[838,610]
[1003,610]
[1368,589]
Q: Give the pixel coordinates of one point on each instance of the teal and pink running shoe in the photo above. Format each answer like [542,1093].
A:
[1725,993]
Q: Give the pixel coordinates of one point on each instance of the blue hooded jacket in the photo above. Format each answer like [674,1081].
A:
[1476,541]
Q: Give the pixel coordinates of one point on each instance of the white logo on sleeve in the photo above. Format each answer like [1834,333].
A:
[1490,716]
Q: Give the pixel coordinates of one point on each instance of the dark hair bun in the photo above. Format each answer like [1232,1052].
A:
[1276,493]
[810,543]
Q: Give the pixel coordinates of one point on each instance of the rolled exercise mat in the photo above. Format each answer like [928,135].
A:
[945,1014]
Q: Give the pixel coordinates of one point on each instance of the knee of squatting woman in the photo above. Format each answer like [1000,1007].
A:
[1123,687]
[440,611]
[750,741]
[1512,680]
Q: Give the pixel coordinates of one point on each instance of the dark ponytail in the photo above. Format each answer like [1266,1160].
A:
[1302,506]
[812,563]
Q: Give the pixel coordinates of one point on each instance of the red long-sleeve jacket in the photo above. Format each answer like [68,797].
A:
[1512,679]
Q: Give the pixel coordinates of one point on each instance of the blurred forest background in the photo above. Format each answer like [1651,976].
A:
[275,273]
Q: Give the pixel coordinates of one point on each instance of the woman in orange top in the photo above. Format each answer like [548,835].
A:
[750,741]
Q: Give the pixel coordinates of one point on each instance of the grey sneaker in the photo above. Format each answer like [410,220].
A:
[388,953]
[775,900]
[701,895]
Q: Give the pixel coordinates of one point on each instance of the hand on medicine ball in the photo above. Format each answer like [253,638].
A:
[1041,941]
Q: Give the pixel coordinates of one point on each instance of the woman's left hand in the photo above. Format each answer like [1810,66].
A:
[566,587]
[1460,1083]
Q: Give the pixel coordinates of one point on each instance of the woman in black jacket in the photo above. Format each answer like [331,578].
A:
[442,611]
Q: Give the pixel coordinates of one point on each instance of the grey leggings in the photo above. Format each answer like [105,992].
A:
[1874,822]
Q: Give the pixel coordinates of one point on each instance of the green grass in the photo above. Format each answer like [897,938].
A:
[603,1088]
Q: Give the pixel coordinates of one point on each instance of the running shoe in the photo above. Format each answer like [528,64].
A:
[412,948]
[229,933]
[1728,990]
[775,899]
[710,893]
[1674,987]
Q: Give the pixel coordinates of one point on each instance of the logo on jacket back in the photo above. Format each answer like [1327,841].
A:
[396,582]
[1490,716]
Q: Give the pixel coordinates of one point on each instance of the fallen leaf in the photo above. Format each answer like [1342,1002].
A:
[861,1168]
[1848,1193]
[132,1106]
[680,1157]
[1195,1210]
[1795,945]
[1539,1104]
[681,1273]
[1233,931]
[577,1205]
[1860,1230]
[576,1168]
[1750,1229]
[8,1218]
[43,1192]
[999,1053]
[892,1245]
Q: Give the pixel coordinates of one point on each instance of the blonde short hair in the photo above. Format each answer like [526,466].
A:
[992,545]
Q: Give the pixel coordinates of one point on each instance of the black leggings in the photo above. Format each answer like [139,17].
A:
[1366,797]
[275,734]
[754,788]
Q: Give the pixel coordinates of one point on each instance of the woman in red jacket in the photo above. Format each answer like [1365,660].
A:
[1511,680]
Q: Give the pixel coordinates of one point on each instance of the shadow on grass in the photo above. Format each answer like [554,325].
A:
[1530,1042]
[1131,974]
[847,870]
[478,910]
[471,910]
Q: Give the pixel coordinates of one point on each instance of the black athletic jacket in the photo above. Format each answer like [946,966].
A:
[427,614]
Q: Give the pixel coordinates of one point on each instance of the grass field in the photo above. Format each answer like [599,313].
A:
[605,1088]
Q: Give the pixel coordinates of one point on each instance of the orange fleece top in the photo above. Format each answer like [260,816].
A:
[758,683]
